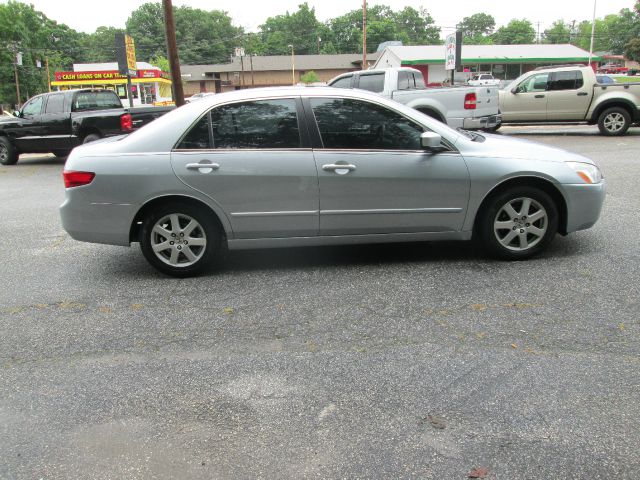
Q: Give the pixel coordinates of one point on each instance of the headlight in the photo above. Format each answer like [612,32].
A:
[586,171]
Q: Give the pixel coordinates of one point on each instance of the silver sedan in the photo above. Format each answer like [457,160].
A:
[285,167]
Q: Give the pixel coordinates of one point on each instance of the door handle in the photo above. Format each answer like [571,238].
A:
[582,94]
[334,167]
[539,96]
[200,166]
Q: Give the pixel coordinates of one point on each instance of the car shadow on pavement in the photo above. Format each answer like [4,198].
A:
[40,160]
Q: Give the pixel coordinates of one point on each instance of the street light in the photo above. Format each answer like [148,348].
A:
[293,66]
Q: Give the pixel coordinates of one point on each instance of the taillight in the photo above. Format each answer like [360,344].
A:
[470,101]
[77,179]
[126,124]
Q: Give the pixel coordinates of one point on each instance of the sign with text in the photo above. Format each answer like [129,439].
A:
[108,75]
[453,52]
[126,54]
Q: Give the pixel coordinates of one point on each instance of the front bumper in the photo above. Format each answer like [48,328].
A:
[482,122]
[584,204]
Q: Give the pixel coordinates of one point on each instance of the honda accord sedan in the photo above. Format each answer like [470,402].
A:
[287,167]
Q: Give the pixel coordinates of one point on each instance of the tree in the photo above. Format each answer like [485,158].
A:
[514,33]
[161,62]
[300,29]
[477,29]
[310,77]
[100,45]
[559,32]
[632,49]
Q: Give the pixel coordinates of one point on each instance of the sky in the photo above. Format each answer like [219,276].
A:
[80,15]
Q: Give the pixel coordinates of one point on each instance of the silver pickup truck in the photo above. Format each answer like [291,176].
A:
[570,94]
[471,108]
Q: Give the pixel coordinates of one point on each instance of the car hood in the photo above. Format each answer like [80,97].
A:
[499,146]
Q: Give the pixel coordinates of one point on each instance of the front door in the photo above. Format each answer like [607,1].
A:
[249,157]
[375,178]
[528,102]
[28,135]
[568,97]
[58,123]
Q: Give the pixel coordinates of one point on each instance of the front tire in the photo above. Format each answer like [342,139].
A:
[179,239]
[8,153]
[614,121]
[518,223]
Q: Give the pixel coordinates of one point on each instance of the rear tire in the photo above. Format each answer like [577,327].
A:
[180,239]
[614,121]
[518,223]
[8,153]
[92,137]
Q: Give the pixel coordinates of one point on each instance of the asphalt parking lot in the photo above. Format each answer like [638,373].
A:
[403,361]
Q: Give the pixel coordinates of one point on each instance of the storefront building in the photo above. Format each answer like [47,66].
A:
[505,62]
[150,86]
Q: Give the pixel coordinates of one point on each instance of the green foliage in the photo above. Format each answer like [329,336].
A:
[632,49]
[516,32]
[310,77]
[559,32]
[477,29]
[300,29]
[161,62]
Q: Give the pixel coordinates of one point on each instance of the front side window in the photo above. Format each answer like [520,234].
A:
[356,125]
[372,82]
[535,83]
[33,107]
[256,124]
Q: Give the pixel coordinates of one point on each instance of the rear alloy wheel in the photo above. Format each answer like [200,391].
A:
[614,121]
[179,240]
[8,153]
[519,223]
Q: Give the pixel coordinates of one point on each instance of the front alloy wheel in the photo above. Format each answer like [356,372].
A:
[179,239]
[517,223]
[614,121]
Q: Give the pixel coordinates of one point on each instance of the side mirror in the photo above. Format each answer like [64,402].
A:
[430,140]
[514,90]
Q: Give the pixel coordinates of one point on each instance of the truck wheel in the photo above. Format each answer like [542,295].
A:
[614,121]
[92,137]
[179,239]
[518,223]
[8,153]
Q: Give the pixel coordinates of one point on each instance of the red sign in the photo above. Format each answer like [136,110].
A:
[106,75]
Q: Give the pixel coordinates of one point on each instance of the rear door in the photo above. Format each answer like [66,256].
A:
[568,97]
[374,176]
[254,160]
[56,123]
[528,102]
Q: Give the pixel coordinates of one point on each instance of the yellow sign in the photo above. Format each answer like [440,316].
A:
[131,52]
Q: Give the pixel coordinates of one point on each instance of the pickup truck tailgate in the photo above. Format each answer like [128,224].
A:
[487,101]
[140,116]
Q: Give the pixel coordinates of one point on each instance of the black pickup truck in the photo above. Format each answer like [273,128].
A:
[57,122]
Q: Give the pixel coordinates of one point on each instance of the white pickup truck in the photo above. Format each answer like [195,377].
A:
[480,79]
[570,94]
[471,108]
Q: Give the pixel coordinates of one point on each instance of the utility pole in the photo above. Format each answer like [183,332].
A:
[172,52]
[593,32]
[538,36]
[364,34]
[251,62]
[15,72]
[46,62]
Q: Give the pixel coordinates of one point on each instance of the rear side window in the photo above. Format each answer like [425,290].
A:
[571,80]
[96,101]
[404,81]
[344,82]
[372,82]
[198,137]
[257,124]
[55,104]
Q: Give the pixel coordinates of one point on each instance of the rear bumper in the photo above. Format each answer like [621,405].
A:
[481,122]
[584,204]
